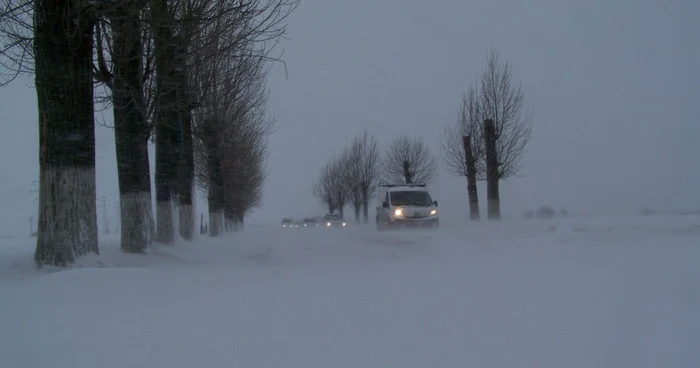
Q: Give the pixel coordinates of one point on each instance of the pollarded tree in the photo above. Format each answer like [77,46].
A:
[322,188]
[331,186]
[409,160]
[230,135]
[351,165]
[340,190]
[362,161]
[463,148]
[506,127]
[63,51]
[119,66]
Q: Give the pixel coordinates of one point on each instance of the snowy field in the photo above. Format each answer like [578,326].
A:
[605,292]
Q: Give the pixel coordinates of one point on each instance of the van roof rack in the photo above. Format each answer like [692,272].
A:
[385,184]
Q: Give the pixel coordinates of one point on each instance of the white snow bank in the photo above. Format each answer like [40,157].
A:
[488,295]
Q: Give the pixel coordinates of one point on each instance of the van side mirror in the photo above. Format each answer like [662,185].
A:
[435,203]
[385,204]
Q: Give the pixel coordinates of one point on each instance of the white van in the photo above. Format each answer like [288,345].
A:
[406,205]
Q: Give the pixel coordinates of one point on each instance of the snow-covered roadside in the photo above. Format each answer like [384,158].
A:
[577,293]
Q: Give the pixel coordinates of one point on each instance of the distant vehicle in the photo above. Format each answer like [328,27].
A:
[310,222]
[406,205]
[334,221]
[298,223]
[287,222]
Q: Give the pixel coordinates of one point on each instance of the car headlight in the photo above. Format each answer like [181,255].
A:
[328,224]
[398,212]
[433,212]
[344,224]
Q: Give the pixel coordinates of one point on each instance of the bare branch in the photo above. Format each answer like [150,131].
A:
[422,166]
[503,102]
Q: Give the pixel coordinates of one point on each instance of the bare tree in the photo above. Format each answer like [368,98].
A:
[323,188]
[119,66]
[463,150]
[230,135]
[210,35]
[340,187]
[362,162]
[351,170]
[332,187]
[506,129]
[409,160]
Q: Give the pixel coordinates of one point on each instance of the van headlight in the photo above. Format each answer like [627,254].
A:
[433,212]
[398,212]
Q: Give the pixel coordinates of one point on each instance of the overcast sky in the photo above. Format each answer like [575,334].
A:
[613,85]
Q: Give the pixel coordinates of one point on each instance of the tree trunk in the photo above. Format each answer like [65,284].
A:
[471,178]
[241,222]
[494,210]
[186,150]
[365,202]
[215,210]
[166,121]
[356,203]
[216,189]
[63,41]
[186,181]
[407,172]
[131,131]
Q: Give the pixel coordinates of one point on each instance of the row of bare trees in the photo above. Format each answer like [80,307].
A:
[352,177]
[187,74]
[492,131]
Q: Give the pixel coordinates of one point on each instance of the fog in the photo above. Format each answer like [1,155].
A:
[613,86]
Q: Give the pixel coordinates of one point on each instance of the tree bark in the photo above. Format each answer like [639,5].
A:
[166,121]
[215,210]
[356,203]
[186,167]
[407,172]
[63,45]
[216,188]
[471,178]
[364,189]
[494,210]
[131,131]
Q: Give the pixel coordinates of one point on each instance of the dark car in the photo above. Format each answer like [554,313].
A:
[287,222]
[334,221]
[310,222]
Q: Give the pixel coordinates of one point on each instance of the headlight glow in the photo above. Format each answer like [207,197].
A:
[344,224]
[398,212]
[433,212]
[328,224]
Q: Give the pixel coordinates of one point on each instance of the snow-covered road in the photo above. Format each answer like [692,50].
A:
[585,293]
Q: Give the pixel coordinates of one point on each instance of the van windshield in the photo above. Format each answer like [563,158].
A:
[411,198]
